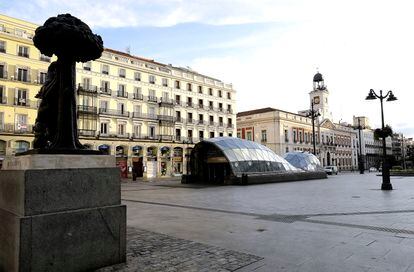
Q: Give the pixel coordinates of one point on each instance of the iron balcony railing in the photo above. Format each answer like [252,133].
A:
[87,109]
[122,94]
[167,101]
[87,132]
[86,88]
[141,115]
[179,119]
[166,118]
[137,96]
[16,128]
[113,112]
[105,91]
[230,126]
[152,99]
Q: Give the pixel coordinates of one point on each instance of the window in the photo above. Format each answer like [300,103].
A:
[189,117]
[151,132]
[105,69]
[228,95]
[201,135]
[122,72]
[105,86]
[221,134]
[201,118]
[286,136]
[190,134]
[249,135]
[20,98]
[229,123]
[287,149]
[137,76]
[23,51]
[229,110]
[178,116]
[294,136]
[121,108]
[189,101]
[151,112]
[87,66]
[230,134]
[165,82]
[137,131]
[151,79]
[238,135]
[21,122]
[103,105]
[210,91]
[177,84]
[42,77]
[2,123]
[210,104]
[178,134]
[200,103]
[211,134]
[121,129]
[3,71]
[104,128]
[122,90]
[189,87]
[220,121]
[3,46]
[3,98]
[177,99]
[137,109]
[300,136]
[220,107]
[220,94]
[200,89]
[137,93]
[211,120]
[22,74]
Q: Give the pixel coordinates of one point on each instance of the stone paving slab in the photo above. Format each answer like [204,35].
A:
[150,251]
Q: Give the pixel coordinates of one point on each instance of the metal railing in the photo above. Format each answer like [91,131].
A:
[87,132]
[144,115]
[122,94]
[105,91]
[16,128]
[137,96]
[113,112]
[86,88]
[152,99]
[87,109]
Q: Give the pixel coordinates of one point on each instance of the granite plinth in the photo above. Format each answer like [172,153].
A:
[61,219]
[58,161]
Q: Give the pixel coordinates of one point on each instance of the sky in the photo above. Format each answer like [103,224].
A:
[268,49]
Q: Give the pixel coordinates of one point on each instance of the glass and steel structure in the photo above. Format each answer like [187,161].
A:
[303,160]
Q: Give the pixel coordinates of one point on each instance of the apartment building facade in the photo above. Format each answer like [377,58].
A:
[147,114]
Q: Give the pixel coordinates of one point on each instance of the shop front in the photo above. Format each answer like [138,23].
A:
[137,162]
[177,161]
[151,163]
[121,157]
[105,149]
[165,161]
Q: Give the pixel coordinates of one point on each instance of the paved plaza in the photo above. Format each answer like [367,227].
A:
[343,223]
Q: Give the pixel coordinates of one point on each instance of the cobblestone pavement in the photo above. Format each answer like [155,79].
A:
[150,251]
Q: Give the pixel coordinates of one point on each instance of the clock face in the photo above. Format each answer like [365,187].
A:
[316,100]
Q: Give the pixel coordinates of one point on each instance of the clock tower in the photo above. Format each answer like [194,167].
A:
[320,97]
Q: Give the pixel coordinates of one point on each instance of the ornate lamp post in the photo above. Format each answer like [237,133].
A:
[360,157]
[313,114]
[386,183]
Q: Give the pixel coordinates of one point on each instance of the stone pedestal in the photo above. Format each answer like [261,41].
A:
[61,219]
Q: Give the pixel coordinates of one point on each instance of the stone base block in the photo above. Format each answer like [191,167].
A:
[77,240]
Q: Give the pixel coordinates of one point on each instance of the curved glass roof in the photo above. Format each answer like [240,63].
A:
[303,160]
[247,156]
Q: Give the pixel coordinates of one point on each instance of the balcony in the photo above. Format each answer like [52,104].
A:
[23,102]
[220,109]
[122,135]
[45,58]
[122,94]
[229,111]
[221,124]
[105,91]
[190,121]
[113,112]
[23,54]
[230,126]
[190,104]
[87,132]
[16,128]
[166,102]
[87,89]
[201,122]
[145,137]
[87,109]
[166,118]
[3,100]
[179,119]
[168,138]
[137,96]
[141,115]
[212,123]
[177,103]
[23,78]
[152,99]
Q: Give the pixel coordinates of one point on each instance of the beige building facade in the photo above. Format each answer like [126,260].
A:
[282,131]
[147,114]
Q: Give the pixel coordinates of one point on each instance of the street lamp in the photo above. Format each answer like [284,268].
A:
[360,157]
[386,183]
[313,114]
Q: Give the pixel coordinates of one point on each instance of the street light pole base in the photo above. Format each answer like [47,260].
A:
[386,186]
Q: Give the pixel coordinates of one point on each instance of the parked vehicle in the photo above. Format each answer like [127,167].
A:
[330,170]
[373,169]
